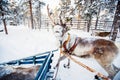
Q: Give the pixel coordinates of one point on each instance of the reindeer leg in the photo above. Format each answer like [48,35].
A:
[67,65]
[60,59]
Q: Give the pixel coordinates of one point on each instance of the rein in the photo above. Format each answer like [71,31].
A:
[86,67]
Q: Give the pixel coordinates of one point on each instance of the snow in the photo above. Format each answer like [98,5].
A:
[77,72]
[23,42]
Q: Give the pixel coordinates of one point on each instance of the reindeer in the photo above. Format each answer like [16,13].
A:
[102,50]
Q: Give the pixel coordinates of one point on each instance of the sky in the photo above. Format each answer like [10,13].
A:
[52,5]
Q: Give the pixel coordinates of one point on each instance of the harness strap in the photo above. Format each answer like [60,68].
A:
[65,43]
[74,45]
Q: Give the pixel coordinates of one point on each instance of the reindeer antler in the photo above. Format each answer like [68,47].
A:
[61,22]
[50,16]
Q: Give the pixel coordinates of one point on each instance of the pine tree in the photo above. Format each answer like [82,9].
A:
[3,12]
[116,22]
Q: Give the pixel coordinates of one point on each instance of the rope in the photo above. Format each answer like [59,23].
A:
[86,67]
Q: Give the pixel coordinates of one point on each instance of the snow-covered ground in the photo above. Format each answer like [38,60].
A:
[77,72]
[23,42]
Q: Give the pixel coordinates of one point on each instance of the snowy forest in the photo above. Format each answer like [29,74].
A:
[27,28]
[82,14]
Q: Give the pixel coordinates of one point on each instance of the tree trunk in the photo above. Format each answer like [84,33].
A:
[116,22]
[31,14]
[78,24]
[6,32]
[40,15]
[89,24]
[97,18]
[4,22]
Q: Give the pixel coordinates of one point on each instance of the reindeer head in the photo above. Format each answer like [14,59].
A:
[59,28]
[58,31]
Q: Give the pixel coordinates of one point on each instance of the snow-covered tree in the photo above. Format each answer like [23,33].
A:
[30,12]
[3,12]
[87,10]
[14,13]
[37,5]
[65,10]
[116,22]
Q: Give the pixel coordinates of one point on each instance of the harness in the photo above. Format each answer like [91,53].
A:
[71,49]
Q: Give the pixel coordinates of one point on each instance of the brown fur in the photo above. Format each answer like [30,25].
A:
[104,51]
[20,73]
[102,34]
